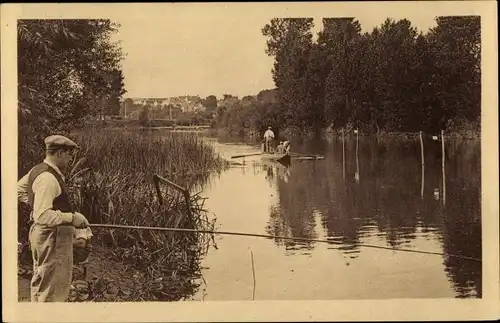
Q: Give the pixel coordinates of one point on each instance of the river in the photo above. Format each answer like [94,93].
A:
[364,191]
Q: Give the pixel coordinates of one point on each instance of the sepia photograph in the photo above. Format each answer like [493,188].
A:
[185,154]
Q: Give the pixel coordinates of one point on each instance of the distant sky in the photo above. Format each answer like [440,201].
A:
[205,49]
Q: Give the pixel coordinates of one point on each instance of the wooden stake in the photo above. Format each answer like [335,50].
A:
[157,187]
[443,166]
[253,275]
[422,164]
[343,154]
[356,175]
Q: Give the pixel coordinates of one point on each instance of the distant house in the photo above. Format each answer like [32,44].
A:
[185,103]
[199,107]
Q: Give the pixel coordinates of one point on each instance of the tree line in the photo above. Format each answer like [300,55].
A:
[392,79]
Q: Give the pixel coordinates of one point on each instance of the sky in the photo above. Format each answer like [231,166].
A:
[204,50]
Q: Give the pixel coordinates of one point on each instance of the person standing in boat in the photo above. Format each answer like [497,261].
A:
[54,221]
[268,139]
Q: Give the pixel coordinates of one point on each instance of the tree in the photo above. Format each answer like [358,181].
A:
[63,71]
[290,42]
[144,115]
[210,103]
[62,77]
[339,44]
[456,48]
[116,91]
[127,107]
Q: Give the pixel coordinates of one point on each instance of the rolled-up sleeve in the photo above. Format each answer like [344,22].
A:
[22,189]
[46,189]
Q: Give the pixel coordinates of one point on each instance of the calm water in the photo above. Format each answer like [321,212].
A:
[375,194]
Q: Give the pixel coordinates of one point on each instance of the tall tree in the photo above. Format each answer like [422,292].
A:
[339,40]
[290,42]
[116,90]
[457,82]
[393,52]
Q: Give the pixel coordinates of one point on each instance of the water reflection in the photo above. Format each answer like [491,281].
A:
[366,190]
[389,202]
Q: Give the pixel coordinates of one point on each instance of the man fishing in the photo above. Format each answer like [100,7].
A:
[268,139]
[54,221]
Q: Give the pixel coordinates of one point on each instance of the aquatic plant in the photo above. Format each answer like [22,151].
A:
[110,181]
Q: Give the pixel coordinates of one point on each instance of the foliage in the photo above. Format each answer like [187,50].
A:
[210,103]
[394,78]
[144,116]
[67,70]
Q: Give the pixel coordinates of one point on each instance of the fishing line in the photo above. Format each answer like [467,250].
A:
[119,226]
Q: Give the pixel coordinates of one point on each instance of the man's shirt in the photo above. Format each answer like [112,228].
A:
[269,134]
[45,189]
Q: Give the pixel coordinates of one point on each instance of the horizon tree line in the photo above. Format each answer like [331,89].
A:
[394,78]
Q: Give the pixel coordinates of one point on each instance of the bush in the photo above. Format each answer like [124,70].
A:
[464,128]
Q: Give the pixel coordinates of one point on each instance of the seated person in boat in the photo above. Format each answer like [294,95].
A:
[280,148]
[286,147]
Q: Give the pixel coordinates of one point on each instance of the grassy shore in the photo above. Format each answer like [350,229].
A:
[111,181]
[137,124]
[454,133]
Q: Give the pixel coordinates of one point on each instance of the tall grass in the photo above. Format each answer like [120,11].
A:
[111,181]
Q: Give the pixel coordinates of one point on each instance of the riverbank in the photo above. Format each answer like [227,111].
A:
[110,280]
[110,181]
[120,124]
[461,134]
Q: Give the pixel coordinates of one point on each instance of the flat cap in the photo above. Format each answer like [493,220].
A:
[58,141]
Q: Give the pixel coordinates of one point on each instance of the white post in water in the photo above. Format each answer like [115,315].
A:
[343,154]
[443,167]
[422,164]
[356,175]
[357,139]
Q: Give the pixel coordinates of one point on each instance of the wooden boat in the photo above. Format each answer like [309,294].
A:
[280,158]
[284,159]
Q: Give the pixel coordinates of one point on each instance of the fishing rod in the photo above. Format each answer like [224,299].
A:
[166,229]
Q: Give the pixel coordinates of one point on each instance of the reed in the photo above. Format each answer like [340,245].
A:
[111,181]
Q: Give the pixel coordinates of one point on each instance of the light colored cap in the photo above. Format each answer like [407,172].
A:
[58,141]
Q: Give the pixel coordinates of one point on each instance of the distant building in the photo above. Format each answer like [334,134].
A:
[183,103]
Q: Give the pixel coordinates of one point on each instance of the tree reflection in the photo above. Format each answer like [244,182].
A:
[383,186]
[293,216]
[462,221]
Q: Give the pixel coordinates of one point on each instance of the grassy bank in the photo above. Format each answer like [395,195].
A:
[137,124]
[111,181]
[464,132]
